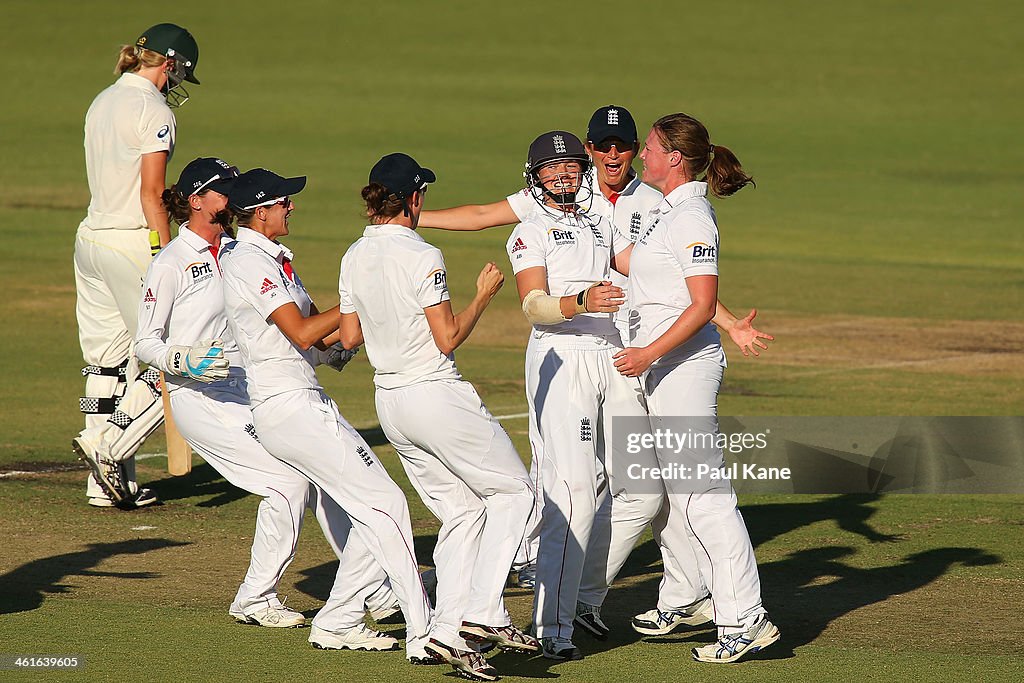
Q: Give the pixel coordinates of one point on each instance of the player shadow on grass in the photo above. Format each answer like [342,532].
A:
[204,481]
[24,588]
[767,521]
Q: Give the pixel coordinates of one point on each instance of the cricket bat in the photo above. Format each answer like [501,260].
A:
[179,453]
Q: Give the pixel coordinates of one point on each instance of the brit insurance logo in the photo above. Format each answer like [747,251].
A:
[199,271]
[702,252]
[440,279]
[562,237]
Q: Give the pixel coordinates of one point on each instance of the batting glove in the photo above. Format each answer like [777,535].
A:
[337,356]
[204,362]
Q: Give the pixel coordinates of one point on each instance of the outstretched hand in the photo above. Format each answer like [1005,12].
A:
[747,337]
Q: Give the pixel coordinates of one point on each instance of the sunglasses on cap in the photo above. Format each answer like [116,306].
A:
[606,145]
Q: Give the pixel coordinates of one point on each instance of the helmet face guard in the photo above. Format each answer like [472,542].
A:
[177,72]
[558,147]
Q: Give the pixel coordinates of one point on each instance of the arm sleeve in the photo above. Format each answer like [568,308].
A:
[160,289]
[430,279]
[345,303]
[258,280]
[694,242]
[522,203]
[157,130]
[527,247]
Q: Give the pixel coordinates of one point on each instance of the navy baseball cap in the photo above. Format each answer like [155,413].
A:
[260,187]
[401,174]
[612,122]
[205,173]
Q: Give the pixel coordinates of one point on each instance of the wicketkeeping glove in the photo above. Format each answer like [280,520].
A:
[337,356]
[204,362]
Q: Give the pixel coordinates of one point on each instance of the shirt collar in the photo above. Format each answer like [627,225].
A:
[275,250]
[681,194]
[391,229]
[137,81]
[195,241]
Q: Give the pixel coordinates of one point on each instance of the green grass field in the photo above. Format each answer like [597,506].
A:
[881,246]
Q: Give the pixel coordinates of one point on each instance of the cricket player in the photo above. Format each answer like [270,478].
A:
[393,292]
[673,272]
[562,256]
[130,134]
[278,330]
[183,331]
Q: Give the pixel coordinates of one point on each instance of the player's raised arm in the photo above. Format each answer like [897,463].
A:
[449,330]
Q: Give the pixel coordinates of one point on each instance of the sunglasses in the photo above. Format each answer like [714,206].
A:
[606,145]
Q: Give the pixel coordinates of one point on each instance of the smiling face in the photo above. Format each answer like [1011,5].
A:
[275,216]
[562,179]
[613,159]
[658,163]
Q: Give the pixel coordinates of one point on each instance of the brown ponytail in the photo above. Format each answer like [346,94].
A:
[381,204]
[131,58]
[689,137]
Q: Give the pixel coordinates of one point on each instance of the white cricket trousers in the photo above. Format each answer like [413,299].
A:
[576,392]
[703,537]
[216,421]
[109,268]
[526,556]
[304,429]
[464,467]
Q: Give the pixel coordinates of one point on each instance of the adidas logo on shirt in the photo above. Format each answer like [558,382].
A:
[519,245]
[267,286]
[149,298]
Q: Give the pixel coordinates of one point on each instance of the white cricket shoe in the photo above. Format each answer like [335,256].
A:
[588,618]
[271,616]
[658,623]
[360,637]
[108,473]
[560,649]
[140,499]
[467,663]
[731,648]
[506,637]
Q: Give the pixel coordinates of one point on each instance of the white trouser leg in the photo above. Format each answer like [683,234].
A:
[109,268]
[465,468]
[358,573]
[632,506]
[716,532]
[566,391]
[305,429]
[526,555]
[214,421]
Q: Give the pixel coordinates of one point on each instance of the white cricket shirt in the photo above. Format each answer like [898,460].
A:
[678,240]
[256,285]
[183,303]
[576,251]
[388,277]
[128,119]
[626,216]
